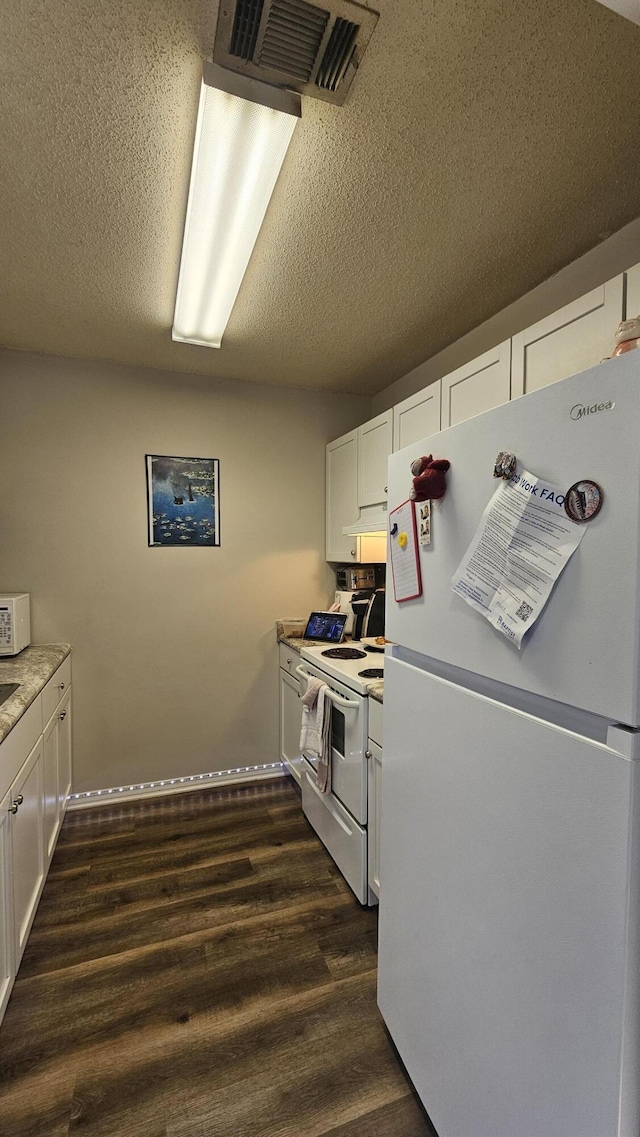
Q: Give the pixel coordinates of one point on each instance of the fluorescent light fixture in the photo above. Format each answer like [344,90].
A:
[628,8]
[242,135]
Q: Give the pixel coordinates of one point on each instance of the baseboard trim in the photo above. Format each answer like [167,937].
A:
[163,786]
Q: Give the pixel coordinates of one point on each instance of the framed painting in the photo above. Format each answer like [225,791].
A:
[183,500]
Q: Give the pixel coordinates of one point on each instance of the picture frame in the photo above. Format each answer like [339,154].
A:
[183,501]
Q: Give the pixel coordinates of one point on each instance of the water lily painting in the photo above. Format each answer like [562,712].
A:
[183,497]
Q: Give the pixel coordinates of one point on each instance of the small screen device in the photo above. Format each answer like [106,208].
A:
[326,626]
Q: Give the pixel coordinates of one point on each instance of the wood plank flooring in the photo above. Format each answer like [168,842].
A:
[199,968]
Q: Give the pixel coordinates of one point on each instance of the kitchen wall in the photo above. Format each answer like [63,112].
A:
[612,256]
[175,659]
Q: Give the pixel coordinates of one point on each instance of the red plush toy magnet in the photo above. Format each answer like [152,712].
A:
[429,482]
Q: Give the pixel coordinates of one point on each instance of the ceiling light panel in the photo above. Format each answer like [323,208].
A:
[239,149]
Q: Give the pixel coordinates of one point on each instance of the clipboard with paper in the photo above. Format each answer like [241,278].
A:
[403,552]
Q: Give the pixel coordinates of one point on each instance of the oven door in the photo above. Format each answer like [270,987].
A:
[348,743]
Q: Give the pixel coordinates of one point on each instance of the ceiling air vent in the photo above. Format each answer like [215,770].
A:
[308,48]
[338,54]
[292,37]
[245,28]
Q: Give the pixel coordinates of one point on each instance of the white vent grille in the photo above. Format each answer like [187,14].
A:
[245,28]
[292,37]
[338,54]
[290,43]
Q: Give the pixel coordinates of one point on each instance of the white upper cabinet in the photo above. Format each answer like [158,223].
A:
[375,442]
[342,495]
[417,417]
[633,292]
[574,338]
[477,386]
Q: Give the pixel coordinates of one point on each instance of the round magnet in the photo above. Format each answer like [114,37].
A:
[402,540]
[583,501]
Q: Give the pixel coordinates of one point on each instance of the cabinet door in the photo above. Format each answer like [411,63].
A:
[341,496]
[6,905]
[375,441]
[51,792]
[570,340]
[477,386]
[417,417]
[27,828]
[290,721]
[374,773]
[65,769]
[633,293]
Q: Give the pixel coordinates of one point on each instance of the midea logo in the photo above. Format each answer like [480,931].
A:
[580,411]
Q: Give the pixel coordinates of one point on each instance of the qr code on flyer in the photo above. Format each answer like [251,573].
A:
[524,611]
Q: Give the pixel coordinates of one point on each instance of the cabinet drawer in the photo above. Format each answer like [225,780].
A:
[343,838]
[375,721]
[18,743]
[289,658]
[55,689]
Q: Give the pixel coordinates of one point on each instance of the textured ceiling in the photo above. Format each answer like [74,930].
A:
[484,145]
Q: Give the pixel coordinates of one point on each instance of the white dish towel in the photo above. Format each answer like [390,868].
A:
[315,734]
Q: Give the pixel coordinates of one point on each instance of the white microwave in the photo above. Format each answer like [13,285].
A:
[15,622]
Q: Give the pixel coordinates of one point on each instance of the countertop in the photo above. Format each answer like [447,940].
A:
[32,669]
[286,632]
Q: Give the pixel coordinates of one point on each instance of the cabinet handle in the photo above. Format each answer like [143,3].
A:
[368,754]
[61,686]
[289,661]
[19,799]
[63,716]
[353,552]
[386,489]
[13,808]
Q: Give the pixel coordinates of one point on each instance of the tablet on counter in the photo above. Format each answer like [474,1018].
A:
[327,627]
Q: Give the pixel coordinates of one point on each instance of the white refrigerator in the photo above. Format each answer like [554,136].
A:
[509,959]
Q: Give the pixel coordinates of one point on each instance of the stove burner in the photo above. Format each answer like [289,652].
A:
[344,653]
[372,673]
[370,647]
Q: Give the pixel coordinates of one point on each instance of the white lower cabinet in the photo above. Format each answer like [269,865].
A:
[290,720]
[27,844]
[51,808]
[64,753]
[35,781]
[57,771]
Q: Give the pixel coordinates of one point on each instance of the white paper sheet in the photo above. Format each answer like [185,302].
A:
[523,542]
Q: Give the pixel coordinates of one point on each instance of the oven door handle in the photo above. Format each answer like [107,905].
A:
[339,700]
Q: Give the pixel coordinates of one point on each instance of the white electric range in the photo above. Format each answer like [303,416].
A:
[337,662]
[340,816]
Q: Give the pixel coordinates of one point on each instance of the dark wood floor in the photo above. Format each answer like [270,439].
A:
[198,968]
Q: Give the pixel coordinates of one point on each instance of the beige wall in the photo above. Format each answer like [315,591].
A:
[175,660]
[608,259]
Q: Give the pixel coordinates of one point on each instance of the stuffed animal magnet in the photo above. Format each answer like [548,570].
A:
[429,482]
